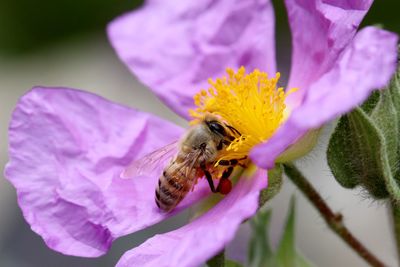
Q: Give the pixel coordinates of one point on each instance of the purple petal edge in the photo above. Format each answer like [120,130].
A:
[367,64]
[67,150]
[321,30]
[265,154]
[196,242]
[174,48]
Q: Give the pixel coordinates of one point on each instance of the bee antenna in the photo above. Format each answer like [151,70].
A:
[233,129]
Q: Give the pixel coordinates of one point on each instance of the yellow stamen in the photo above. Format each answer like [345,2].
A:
[251,103]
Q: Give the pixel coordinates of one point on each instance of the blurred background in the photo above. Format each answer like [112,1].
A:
[64,43]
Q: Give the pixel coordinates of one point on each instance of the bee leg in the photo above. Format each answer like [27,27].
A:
[209,177]
[227,173]
[232,162]
[210,181]
[225,185]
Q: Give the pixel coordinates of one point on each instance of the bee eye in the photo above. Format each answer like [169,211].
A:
[216,127]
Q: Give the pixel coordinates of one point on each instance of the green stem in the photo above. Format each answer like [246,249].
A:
[396,225]
[334,220]
[218,260]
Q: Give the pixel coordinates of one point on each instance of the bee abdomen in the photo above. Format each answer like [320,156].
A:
[169,192]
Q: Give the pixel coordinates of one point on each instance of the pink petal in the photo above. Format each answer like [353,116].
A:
[194,243]
[174,47]
[321,30]
[67,150]
[367,64]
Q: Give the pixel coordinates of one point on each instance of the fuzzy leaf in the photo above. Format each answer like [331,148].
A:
[394,89]
[369,105]
[354,153]
[385,118]
[218,260]
[274,184]
[357,155]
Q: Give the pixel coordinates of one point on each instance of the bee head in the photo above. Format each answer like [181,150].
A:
[216,128]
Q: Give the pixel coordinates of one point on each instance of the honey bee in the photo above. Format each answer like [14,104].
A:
[193,157]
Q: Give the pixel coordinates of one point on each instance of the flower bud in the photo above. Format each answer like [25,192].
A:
[364,148]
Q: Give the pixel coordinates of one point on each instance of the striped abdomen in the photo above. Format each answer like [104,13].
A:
[173,185]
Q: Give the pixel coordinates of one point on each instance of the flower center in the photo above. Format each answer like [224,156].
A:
[251,103]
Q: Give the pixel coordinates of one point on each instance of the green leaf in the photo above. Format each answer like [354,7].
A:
[340,150]
[354,153]
[274,184]
[357,155]
[260,251]
[369,105]
[385,118]
[218,260]
[394,89]
[286,252]
[231,263]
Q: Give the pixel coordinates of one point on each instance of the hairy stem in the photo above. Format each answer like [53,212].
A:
[334,220]
[396,225]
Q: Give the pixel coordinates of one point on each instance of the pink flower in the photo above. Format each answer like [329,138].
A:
[67,147]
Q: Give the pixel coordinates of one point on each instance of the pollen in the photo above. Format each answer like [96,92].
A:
[251,103]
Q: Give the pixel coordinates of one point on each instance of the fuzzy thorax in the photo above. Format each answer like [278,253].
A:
[251,103]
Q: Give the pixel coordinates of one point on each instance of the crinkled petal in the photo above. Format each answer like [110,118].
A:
[67,150]
[174,47]
[321,30]
[367,64]
[196,242]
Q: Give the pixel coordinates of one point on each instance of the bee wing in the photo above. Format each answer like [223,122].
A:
[151,163]
[190,161]
[186,167]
